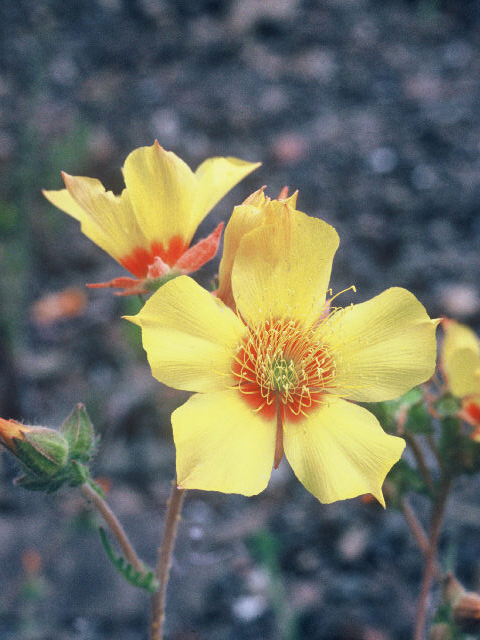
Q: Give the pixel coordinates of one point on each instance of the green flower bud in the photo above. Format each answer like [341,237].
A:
[51,459]
[78,432]
[39,450]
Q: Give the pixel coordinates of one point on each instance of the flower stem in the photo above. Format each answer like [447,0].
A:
[430,557]
[157,601]
[420,460]
[113,524]
[418,532]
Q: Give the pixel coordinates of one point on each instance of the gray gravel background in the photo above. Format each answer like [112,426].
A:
[369,108]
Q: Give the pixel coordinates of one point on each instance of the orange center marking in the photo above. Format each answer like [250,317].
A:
[138,261]
[282,370]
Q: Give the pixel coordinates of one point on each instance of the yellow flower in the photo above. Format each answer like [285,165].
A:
[278,376]
[149,227]
[461,365]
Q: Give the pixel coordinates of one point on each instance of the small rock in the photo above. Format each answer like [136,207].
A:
[460,300]
[248,608]
[353,543]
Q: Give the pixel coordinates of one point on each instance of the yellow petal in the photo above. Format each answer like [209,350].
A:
[382,347]
[256,210]
[162,189]
[222,445]
[168,198]
[243,219]
[282,270]
[461,359]
[216,177]
[64,201]
[189,336]
[106,219]
[340,451]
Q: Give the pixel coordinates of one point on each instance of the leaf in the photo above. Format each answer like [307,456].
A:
[418,419]
[143,580]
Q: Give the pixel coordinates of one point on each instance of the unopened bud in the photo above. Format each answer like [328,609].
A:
[466,612]
[465,605]
[39,450]
[78,432]
[11,430]
[51,459]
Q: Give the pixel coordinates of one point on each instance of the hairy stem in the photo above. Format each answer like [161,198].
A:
[430,557]
[113,524]
[418,533]
[157,601]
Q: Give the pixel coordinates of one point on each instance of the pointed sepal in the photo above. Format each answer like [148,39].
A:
[77,430]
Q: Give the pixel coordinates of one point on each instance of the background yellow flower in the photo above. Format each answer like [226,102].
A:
[461,366]
[149,226]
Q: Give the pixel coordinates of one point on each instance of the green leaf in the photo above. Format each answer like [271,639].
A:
[418,419]
[146,580]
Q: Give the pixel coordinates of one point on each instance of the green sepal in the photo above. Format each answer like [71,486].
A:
[146,580]
[42,452]
[78,432]
[152,284]
[72,475]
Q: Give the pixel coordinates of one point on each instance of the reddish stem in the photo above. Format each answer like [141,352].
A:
[430,558]
[157,601]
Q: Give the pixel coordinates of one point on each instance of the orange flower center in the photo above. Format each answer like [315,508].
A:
[138,261]
[281,365]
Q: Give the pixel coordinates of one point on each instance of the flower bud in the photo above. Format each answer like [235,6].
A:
[39,450]
[465,605]
[78,432]
[466,612]
[51,459]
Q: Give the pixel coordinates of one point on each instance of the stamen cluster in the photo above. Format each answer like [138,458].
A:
[282,364]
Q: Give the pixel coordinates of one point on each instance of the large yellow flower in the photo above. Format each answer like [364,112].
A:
[278,376]
[461,364]
[149,227]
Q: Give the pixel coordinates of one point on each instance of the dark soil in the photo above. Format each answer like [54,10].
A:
[371,108]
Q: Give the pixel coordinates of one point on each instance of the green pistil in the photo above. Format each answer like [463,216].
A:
[284,375]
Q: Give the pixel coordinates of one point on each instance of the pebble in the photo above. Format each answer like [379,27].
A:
[460,300]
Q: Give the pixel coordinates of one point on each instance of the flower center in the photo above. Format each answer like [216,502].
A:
[281,364]
[284,375]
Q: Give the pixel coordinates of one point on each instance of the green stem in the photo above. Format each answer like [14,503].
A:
[157,601]
[113,524]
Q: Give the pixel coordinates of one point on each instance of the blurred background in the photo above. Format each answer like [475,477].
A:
[371,108]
